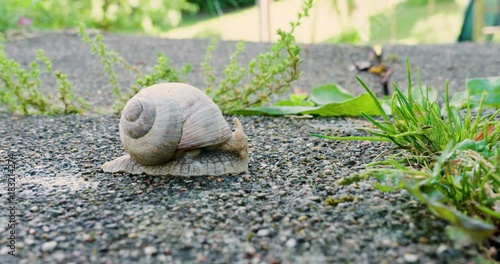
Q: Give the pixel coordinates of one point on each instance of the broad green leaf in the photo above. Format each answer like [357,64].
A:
[352,107]
[372,95]
[480,147]
[275,110]
[295,100]
[329,93]
[476,87]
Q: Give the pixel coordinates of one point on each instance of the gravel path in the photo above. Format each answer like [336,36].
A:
[68,210]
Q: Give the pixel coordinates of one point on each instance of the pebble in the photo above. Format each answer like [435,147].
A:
[59,256]
[410,258]
[442,248]
[263,232]
[49,246]
[250,250]
[314,198]
[261,195]
[291,243]
[150,250]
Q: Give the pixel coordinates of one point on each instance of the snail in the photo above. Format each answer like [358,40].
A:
[176,129]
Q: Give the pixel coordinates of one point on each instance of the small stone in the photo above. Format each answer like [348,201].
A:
[291,243]
[277,216]
[250,250]
[34,208]
[492,252]
[327,172]
[29,240]
[263,232]
[410,258]
[150,250]
[167,251]
[315,198]
[79,209]
[87,238]
[442,248]
[49,246]
[386,243]
[423,240]
[261,195]
[132,235]
[302,218]
[59,256]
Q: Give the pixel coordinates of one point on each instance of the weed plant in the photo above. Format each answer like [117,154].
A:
[110,58]
[450,159]
[269,74]
[20,89]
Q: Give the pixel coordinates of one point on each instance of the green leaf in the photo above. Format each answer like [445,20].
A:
[471,228]
[480,147]
[381,110]
[329,93]
[476,87]
[295,100]
[352,107]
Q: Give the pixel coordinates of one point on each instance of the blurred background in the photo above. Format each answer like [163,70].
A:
[331,21]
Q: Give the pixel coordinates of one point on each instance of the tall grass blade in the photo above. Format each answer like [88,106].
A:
[374,98]
[408,72]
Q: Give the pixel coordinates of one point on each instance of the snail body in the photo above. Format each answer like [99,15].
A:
[175,129]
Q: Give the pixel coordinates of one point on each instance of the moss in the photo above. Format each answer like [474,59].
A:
[353,179]
[335,201]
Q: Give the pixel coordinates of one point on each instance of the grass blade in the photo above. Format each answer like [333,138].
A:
[374,98]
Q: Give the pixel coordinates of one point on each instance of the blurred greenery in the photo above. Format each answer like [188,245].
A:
[149,16]
[219,6]
[413,22]
[350,35]
[423,2]
[334,21]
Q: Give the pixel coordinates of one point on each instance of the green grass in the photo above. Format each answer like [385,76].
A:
[450,159]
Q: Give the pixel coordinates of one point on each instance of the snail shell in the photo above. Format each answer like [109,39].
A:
[175,129]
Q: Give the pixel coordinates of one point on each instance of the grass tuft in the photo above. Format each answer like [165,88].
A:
[450,160]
